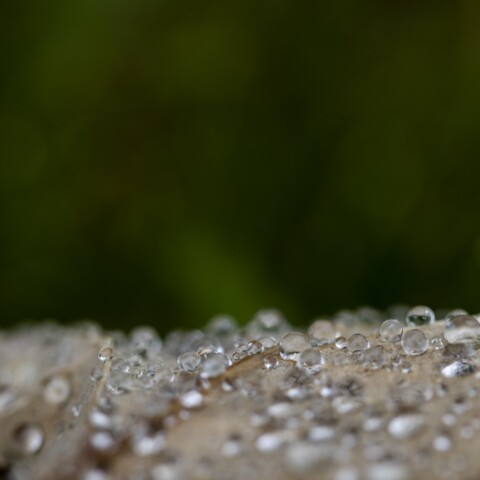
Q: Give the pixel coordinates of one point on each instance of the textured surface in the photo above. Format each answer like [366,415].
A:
[375,413]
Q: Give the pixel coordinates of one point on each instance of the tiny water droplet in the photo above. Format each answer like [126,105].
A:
[105,354]
[191,399]
[270,362]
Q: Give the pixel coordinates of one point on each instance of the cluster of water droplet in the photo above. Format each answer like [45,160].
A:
[309,397]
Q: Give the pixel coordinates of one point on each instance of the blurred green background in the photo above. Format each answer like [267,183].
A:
[162,161]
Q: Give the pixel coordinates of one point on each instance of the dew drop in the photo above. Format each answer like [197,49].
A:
[457,369]
[357,343]
[57,391]
[462,329]
[191,399]
[105,354]
[29,438]
[420,315]
[292,344]
[310,360]
[147,444]
[214,366]
[341,343]
[414,342]
[267,342]
[391,330]
[254,347]
[406,426]
[442,443]
[321,332]
[270,362]
[455,313]
[189,361]
[103,442]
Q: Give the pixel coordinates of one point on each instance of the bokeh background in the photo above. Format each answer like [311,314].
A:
[162,161]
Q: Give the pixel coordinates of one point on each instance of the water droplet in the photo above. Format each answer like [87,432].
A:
[103,442]
[57,391]
[271,441]
[147,444]
[221,326]
[303,457]
[310,360]
[374,357]
[414,342]
[462,329]
[95,475]
[457,369]
[267,342]
[105,354]
[270,362]
[406,425]
[442,443]
[29,438]
[437,342]
[387,470]
[357,343]
[292,344]
[189,361]
[269,321]
[191,399]
[420,315]
[254,347]
[100,420]
[167,472]
[455,312]
[341,343]
[391,330]
[321,332]
[214,366]
[321,433]
[232,447]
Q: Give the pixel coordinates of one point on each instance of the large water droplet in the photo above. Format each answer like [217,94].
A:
[420,315]
[462,329]
[310,360]
[189,361]
[321,332]
[214,366]
[414,342]
[357,343]
[391,330]
[292,344]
